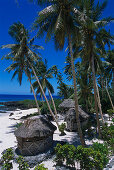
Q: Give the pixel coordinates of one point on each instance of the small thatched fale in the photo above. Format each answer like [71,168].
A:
[68,107]
[67,104]
[71,119]
[35,136]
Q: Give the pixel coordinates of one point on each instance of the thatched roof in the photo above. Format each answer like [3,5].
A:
[70,114]
[34,127]
[67,103]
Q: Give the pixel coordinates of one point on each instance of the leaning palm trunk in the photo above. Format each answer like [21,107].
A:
[99,103]
[53,104]
[95,96]
[43,94]
[33,93]
[75,94]
[42,97]
[109,96]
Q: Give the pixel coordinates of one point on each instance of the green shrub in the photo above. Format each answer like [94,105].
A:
[84,157]
[69,154]
[7,157]
[44,109]
[65,153]
[29,103]
[108,133]
[62,128]
[59,154]
[104,151]
[95,157]
[18,125]
[110,113]
[40,167]
[22,164]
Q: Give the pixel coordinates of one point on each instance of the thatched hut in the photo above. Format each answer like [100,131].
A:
[71,119]
[68,107]
[34,136]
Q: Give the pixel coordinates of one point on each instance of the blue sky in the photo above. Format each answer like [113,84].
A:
[26,12]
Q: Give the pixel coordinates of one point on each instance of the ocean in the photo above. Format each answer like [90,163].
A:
[11,97]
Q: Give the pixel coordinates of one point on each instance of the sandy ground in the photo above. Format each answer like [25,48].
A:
[7,138]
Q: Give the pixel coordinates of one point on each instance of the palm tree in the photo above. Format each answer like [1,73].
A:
[57,20]
[20,67]
[65,90]
[26,51]
[109,68]
[45,75]
[94,39]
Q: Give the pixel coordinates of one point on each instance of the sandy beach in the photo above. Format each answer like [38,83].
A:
[7,138]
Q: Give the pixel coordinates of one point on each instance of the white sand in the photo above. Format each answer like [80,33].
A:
[19,113]
[7,138]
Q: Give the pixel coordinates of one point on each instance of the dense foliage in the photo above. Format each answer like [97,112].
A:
[40,167]
[7,158]
[94,157]
[22,164]
[62,128]
[108,134]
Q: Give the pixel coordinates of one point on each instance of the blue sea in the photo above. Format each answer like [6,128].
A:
[7,97]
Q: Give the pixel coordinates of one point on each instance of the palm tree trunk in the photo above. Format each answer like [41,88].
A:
[95,96]
[99,103]
[43,94]
[87,106]
[38,108]
[75,93]
[42,97]
[53,104]
[109,96]
[113,81]
[102,85]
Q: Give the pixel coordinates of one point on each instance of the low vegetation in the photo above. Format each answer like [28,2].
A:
[108,134]
[62,128]
[7,162]
[29,103]
[7,158]
[94,157]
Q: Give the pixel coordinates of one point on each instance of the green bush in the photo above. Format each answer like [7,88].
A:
[62,128]
[59,154]
[44,109]
[95,157]
[110,113]
[104,151]
[7,157]
[18,125]
[65,153]
[84,156]
[22,164]
[108,134]
[40,167]
[29,103]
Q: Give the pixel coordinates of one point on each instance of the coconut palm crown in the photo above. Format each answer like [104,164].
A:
[44,75]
